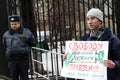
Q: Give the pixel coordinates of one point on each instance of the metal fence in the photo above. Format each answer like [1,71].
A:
[60,20]
[45,63]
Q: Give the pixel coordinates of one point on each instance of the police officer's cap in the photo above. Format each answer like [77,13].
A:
[14,18]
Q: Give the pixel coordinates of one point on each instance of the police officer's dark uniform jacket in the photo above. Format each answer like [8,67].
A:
[18,43]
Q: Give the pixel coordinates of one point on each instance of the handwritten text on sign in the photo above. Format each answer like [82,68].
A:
[84,60]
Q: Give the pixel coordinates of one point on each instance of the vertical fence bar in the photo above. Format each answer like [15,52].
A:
[113,17]
[33,66]
[69,18]
[55,63]
[47,64]
[84,16]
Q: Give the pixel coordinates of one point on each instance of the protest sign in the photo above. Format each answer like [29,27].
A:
[84,60]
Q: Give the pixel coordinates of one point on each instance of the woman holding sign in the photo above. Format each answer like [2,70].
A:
[98,32]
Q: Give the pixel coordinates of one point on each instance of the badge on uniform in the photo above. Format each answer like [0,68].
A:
[22,35]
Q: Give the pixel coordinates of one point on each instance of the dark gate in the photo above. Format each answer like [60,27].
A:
[56,21]
[61,20]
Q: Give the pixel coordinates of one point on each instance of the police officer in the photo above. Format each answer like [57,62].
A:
[18,42]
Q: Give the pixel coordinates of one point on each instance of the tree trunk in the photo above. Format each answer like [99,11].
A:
[28,20]
[28,15]
[3,28]
[117,12]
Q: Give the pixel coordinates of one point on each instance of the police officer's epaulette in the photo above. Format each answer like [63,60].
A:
[27,29]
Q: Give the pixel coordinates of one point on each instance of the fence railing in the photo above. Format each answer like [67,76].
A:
[43,58]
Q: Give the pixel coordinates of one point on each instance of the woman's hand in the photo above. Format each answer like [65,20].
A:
[109,63]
